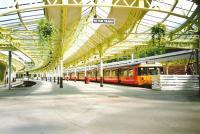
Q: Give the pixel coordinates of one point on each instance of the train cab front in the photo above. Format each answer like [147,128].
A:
[146,71]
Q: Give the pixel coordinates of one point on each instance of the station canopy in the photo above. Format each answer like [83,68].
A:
[78,41]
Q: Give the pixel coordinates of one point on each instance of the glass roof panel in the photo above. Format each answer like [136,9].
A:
[177,19]
[164,5]
[149,17]
[86,9]
[194,7]
[6,3]
[149,22]
[18,55]
[9,22]
[28,1]
[33,17]
[37,12]
[155,14]
[9,17]
[142,28]
[171,24]
[90,29]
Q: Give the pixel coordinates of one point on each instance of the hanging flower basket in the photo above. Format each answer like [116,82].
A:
[158,33]
[46,30]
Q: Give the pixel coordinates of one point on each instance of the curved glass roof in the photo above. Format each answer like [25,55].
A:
[142,34]
[182,7]
[78,37]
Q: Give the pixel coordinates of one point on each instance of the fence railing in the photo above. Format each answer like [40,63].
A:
[13,84]
[175,82]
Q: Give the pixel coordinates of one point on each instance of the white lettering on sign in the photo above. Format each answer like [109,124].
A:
[109,21]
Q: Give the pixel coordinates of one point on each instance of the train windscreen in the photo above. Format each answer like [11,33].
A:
[150,70]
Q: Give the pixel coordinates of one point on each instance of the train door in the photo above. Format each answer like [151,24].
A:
[78,76]
[142,75]
[127,76]
[118,75]
[96,74]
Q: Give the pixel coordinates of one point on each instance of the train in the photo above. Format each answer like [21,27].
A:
[133,74]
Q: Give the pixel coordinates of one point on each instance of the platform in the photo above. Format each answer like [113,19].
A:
[88,109]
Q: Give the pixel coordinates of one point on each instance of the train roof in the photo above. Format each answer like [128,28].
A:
[139,63]
[164,57]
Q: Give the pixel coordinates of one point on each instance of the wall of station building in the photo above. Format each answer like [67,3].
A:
[176,69]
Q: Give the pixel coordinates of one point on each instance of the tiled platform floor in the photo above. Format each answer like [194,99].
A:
[89,109]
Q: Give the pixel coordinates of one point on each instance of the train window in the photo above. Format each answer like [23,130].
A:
[152,71]
[113,73]
[107,73]
[142,71]
[130,73]
[124,73]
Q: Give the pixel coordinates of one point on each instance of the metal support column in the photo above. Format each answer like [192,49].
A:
[101,73]
[86,78]
[75,74]
[9,69]
[58,78]
[61,73]
[132,57]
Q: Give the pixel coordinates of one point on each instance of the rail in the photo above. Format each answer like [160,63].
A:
[13,84]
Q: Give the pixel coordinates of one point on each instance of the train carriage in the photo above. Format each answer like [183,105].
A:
[135,74]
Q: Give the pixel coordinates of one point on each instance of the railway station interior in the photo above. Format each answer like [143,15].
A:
[100,66]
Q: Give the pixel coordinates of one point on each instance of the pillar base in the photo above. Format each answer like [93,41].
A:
[58,81]
[101,81]
[87,80]
[61,82]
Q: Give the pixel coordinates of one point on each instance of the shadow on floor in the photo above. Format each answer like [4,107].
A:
[43,88]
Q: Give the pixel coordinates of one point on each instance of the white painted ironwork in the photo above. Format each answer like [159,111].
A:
[175,82]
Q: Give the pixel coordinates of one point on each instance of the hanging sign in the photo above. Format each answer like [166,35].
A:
[108,21]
